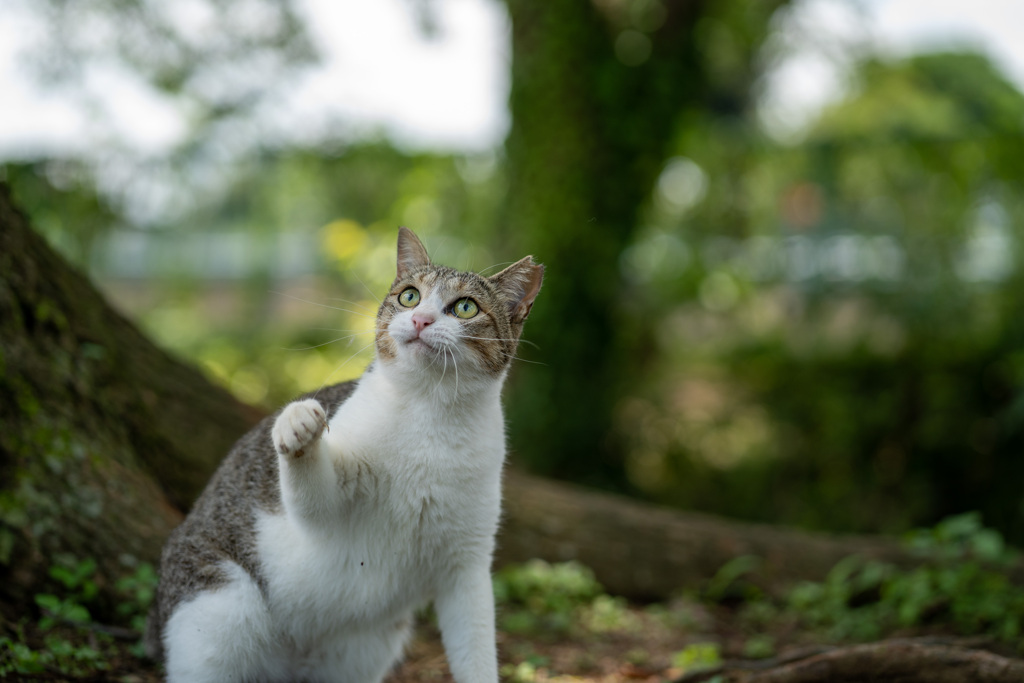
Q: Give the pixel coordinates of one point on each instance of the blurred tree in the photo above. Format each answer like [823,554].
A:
[64,202]
[864,370]
[930,151]
[211,58]
[598,92]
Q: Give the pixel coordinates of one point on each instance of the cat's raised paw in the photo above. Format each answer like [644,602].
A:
[300,424]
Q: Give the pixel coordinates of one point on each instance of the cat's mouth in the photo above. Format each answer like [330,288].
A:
[419,343]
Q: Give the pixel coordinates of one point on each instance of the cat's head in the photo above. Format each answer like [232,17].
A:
[441,321]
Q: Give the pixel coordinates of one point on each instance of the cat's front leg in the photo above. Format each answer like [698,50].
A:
[306,473]
[465,613]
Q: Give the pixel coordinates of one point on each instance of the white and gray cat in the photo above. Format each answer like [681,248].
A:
[332,521]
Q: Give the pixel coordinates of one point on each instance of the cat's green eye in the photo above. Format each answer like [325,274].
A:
[465,308]
[409,297]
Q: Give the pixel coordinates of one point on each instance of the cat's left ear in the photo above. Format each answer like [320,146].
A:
[411,252]
[521,282]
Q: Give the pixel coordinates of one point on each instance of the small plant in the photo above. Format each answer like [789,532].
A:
[697,657]
[606,614]
[759,647]
[546,588]
[77,577]
[17,657]
[731,582]
[58,611]
[958,584]
[70,641]
[538,596]
[137,590]
[78,580]
[58,653]
[524,672]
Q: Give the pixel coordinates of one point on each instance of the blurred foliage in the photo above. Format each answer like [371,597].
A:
[822,331]
[63,639]
[698,657]
[846,348]
[962,585]
[543,599]
[214,59]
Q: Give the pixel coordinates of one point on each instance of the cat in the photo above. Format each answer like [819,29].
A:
[333,520]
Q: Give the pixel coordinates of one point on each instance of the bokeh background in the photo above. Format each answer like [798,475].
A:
[783,238]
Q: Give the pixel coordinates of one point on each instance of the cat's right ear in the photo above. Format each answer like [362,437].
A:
[411,252]
[521,282]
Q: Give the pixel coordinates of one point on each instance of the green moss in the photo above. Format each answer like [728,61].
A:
[48,312]
[7,542]
[49,480]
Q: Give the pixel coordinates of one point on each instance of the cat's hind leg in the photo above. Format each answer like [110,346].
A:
[223,635]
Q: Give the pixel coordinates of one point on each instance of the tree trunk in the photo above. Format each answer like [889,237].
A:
[587,140]
[104,438]
[597,92]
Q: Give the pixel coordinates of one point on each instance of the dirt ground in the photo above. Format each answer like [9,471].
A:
[641,646]
[638,645]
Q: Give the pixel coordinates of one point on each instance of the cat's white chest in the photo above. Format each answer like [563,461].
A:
[416,494]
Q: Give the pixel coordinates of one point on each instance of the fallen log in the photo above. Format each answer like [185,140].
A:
[887,661]
[647,552]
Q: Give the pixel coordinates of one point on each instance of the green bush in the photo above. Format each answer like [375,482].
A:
[961,584]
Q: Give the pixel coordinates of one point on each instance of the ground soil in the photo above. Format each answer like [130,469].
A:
[639,644]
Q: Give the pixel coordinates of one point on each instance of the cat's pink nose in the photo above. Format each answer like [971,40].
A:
[421,320]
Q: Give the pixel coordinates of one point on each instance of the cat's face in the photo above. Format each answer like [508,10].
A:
[441,321]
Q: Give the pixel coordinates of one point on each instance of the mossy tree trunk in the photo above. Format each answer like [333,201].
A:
[104,438]
[598,90]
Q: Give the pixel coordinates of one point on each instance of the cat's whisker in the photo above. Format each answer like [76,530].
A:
[315,303]
[433,360]
[521,341]
[531,362]
[354,303]
[444,352]
[455,364]
[338,369]
[522,360]
[334,329]
[496,265]
[509,355]
[317,346]
[372,295]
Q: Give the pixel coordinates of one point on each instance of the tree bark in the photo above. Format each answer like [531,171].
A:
[587,139]
[104,438]
[647,552]
[593,122]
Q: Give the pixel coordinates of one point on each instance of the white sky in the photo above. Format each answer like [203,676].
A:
[825,34]
[381,75]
